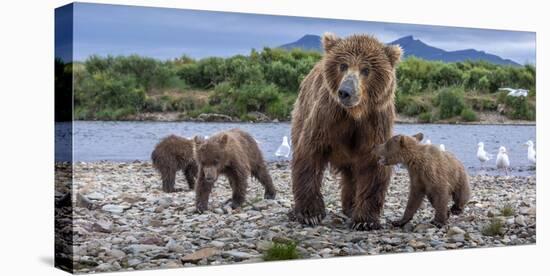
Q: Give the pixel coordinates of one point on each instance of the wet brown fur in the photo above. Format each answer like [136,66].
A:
[433,173]
[235,154]
[172,154]
[324,131]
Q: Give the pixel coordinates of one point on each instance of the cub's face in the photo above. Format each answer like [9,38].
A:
[359,71]
[210,156]
[389,153]
[392,151]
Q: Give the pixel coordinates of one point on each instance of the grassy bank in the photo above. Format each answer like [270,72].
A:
[266,82]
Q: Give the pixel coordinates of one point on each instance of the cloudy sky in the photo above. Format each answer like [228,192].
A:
[167,33]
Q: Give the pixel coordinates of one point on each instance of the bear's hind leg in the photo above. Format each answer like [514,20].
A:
[440,200]
[168,180]
[461,196]
[264,178]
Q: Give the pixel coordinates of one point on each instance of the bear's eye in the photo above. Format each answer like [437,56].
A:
[365,71]
[343,67]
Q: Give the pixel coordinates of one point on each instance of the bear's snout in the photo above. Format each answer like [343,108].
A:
[210,174]
[347,92]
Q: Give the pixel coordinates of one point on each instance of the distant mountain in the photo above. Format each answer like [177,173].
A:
[413,47]
[307,42]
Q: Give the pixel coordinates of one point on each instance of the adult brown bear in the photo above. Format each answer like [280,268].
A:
[345,107]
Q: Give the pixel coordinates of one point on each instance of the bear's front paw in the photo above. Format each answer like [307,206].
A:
[312,216]
[171,190]
[365,225]
[437,224]
[270,195]
[455,210]
[201,207]
[399,223]
[234,203]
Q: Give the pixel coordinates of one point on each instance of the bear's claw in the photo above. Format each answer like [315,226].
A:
[269,195]
[398,223]
[313,221]
[365,226]
[308,220]
[437,224]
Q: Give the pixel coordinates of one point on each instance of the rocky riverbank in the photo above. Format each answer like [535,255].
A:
[123,221]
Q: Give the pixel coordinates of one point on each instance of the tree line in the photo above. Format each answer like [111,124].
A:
[267,81]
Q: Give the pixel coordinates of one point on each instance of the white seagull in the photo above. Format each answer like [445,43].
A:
[442,147]
[482,155]
[284,149]
[515,92]
[502,160]
[531,154]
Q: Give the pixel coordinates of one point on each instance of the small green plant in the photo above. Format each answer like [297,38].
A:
[281,251]
[468,115]
[494,228]
[507,210]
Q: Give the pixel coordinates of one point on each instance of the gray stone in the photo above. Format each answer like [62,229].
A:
[111,208]
[520,220]
[95,196]
[104,267]
[455,230]
[119,254]
[217,244]
[140,248]
[103,226]
[238,254]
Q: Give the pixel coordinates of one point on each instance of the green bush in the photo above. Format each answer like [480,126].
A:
[520,108]
[482,103]
[268,81]
[109,96]
[425,117]
[468,115]
[450,101]
[412,105]
[446,75]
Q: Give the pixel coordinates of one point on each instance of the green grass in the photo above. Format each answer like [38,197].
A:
[507,210]
[281,251]
[494,228]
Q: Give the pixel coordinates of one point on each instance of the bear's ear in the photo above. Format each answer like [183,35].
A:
[419,136]
[329,41]
[223,140]
[402,141]
[394,53]
[198,139]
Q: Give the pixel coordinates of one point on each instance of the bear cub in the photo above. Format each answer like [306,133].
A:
[433,173]
[235,154]
[171,154]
